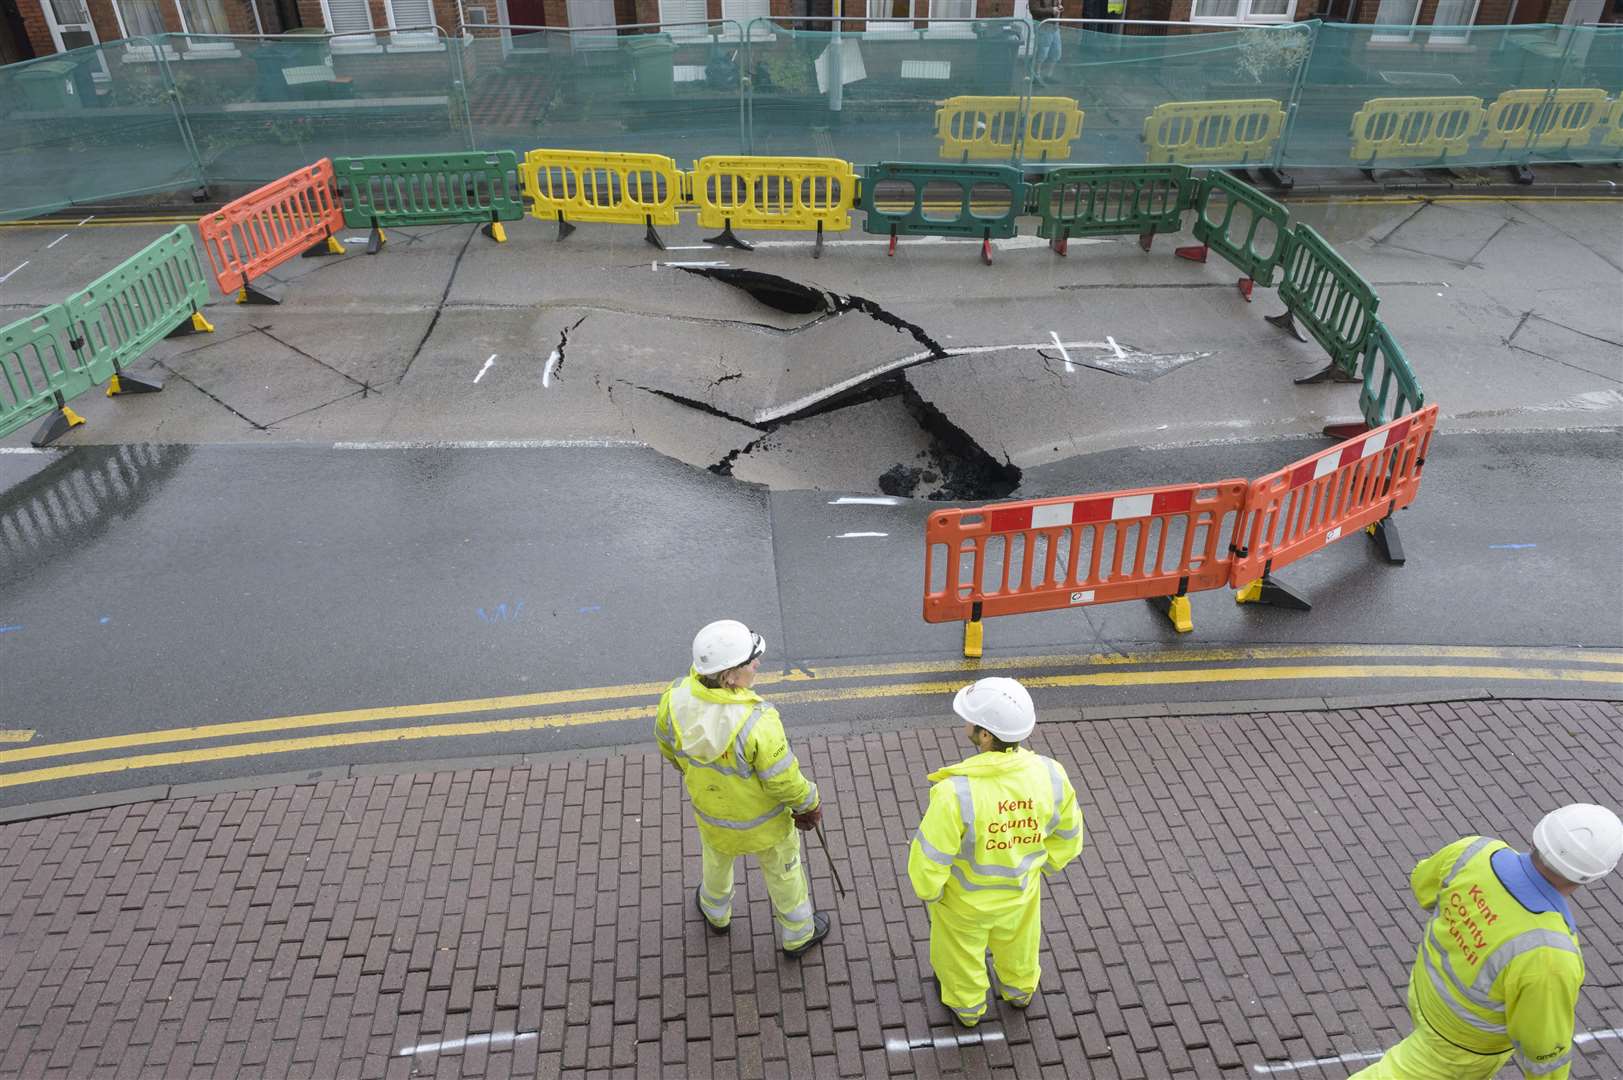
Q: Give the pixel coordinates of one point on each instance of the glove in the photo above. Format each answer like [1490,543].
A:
[809,820]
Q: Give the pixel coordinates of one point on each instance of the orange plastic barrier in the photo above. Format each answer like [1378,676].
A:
[1299,509]
[1155,544]
[267,227]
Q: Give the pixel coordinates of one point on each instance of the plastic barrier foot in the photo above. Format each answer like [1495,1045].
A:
[726,238]
[375,240]
[194,325]
[1281,179]
[1146,241]
[1245,285]
[1193,252]
[329,246]
[123,382]
[1061,244]
[986,248]
[1328,373]
[652,234]
[974,630]
[252,294]
[892,249]
[495,231]
[817,249]
[1522,174]
[564,228]
[56,425]
[1349,429]
[1266,590]
[1287,322]
[1175,608]
[1385,532]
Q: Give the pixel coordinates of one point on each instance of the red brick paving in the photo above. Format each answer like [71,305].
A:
[1242,899]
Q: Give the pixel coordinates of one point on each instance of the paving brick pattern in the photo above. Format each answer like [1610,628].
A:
[1242,900]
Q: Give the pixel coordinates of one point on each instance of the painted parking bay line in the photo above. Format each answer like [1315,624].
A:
[344,717]
[532,723]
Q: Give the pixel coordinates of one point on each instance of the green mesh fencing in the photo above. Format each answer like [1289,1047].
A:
[673,90]
[872,94]
[94,123]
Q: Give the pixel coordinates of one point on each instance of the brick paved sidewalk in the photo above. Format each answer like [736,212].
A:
[1242,900]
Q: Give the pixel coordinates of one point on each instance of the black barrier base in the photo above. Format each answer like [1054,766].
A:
[725,238]
[1349,429]
[817,250]
[254,295]
[1273,593]
[123,382]
[1521,174]
[188,326]
[327,245]
[56,425]
[1287,322]
[1279,178]
[1175,608]
[652,235]
[1328,373]
[564,227]
[1385,532]
[1146,240]
[200,194]
[375,239]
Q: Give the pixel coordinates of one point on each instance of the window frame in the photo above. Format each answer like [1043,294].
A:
[351,41]
[410,40]
[206,50]
[1244,16]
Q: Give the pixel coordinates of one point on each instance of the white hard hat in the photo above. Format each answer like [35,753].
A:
[1001,706]
[724,644]
[1582,842]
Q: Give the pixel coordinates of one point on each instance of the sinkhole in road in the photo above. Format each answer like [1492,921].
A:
[953,466]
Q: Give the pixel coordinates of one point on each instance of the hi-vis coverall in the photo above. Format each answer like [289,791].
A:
[745,785]
[1492,979]
[995,822]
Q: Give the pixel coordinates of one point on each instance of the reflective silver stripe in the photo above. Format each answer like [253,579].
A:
[1008,871]
[1068,834]
[1448,969]
[1517,946]
[801,914]
[726,770]
[969,1012]
[783,764]
[1542,1068]
[1017,997]
[726,823]
[744,735]
[1463,1014]
[1059,795]
[718,909]
[809,801]
[1466,856]
[971,886]
[966,814]
[931,852]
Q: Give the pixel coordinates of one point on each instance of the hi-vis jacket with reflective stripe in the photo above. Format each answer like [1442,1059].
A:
[1492,975]
[735,759]
[994,821]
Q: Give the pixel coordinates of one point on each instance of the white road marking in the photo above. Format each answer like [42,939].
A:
[864,500]
[24,263]
[1119,354]
[693,264]
[1597,1036]
[86,221]
[55,242]
[31,450]
[500,1038]
[491,360]
[546,373]
[494,444]
[857,535]
[354,239]
[1013,243]
[943,1042]
[1070,368]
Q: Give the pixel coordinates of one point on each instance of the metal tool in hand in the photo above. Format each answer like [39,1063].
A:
[823,838]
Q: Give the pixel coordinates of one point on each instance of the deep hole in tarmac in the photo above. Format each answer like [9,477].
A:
[953,467]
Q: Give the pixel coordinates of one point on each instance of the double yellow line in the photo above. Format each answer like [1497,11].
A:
[862,682]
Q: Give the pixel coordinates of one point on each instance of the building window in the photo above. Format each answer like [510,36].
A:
[896,15]
[415,15]
[1243,11]
[591,23]
[683,19]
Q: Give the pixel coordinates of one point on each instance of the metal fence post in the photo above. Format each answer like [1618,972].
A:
[172,92]
[1281,177]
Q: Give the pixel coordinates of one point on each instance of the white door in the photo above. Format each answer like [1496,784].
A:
[71,28]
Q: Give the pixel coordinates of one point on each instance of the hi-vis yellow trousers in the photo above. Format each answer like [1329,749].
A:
[785,884]
[1426,1055]
[958,944]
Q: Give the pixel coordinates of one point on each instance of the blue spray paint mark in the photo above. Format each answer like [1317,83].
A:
[591,608]
[9,629]
[501,612]
[105,619]
[1510,547]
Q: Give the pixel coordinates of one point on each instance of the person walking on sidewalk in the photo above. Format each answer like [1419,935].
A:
[1047,34]
[1499,967]
[745,784]
[997,824]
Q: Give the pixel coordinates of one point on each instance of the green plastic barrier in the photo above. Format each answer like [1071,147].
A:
[433,189]
[907,199]
[1229,215]
[153,293]
[1390,387]
[1111,200]
[1331,299]
[39,371]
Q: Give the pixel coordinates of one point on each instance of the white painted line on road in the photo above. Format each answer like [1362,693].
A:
[31,450]
[500,1038]
[1070,368]
[14,270]
[690,264]
[857,535]
[943,1042]
[1308,1063]
[55,242]
[1119,354]
[546,373]
[86,221]
[1013,243]
[1596,1036]
[864,500]
[495,444]
[354,239]
[491,360]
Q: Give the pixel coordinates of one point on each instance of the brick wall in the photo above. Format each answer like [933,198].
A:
[39,33]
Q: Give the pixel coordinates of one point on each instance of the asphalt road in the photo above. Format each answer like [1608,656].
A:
[542,596]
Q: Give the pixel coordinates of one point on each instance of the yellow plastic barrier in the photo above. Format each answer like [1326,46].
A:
[985,128]
[773,193]
[1213,132]
[579,185]
[1612,134]
[1543,119]
[1434,128]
